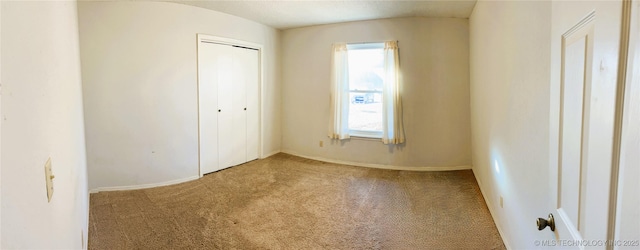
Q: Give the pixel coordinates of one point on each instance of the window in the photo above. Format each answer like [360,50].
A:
[365,92]
[366,78]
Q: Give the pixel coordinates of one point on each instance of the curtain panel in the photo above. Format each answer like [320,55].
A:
[339,117]
[393,127]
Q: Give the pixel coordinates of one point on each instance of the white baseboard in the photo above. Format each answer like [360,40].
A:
[381,166]
[143,186]
[270,154]
[492,212]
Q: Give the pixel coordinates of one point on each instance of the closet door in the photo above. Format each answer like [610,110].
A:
[252,79]
[231,137]
[239,106]
[228,78]
[214,71]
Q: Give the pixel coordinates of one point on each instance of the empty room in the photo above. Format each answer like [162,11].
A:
[436,124]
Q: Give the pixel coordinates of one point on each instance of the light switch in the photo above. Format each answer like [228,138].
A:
[48,178]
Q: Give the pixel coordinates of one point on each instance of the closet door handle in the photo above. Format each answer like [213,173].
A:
[219,110]
[245,108]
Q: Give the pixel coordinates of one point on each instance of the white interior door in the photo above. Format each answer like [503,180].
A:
[586,37]
[237,135]
[252,78]
[228,91]
[213,69]
[238,139]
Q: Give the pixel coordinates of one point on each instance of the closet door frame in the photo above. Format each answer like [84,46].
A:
[200,38]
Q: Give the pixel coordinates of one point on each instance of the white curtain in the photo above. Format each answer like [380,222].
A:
[392,129]
[339,123]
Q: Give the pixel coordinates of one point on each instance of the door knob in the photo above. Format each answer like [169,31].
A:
[219,110]
[542,223]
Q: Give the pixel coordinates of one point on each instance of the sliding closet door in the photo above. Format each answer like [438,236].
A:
[214,70]
[252,79]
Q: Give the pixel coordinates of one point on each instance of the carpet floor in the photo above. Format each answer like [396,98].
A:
[288,202]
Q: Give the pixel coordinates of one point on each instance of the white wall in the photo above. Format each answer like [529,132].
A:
[434,60]
[41,118]
[510,70]
[140,87]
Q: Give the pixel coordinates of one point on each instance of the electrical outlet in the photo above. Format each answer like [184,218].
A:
[321,143]
[501,202]
[48,175]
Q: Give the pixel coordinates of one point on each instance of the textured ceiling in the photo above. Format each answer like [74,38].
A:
[292,14]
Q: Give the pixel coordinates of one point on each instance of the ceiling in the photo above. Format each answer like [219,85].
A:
[300,13]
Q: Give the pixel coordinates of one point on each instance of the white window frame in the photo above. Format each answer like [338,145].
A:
[365,133]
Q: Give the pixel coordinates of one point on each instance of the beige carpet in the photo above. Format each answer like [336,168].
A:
[287,202]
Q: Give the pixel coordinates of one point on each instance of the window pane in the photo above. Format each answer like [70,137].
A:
[366,69]
[365,111]
[365,82]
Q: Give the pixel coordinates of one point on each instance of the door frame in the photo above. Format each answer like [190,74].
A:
[625,76]
[230,41]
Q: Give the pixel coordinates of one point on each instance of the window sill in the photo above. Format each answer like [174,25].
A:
[366,135]
[366,138]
